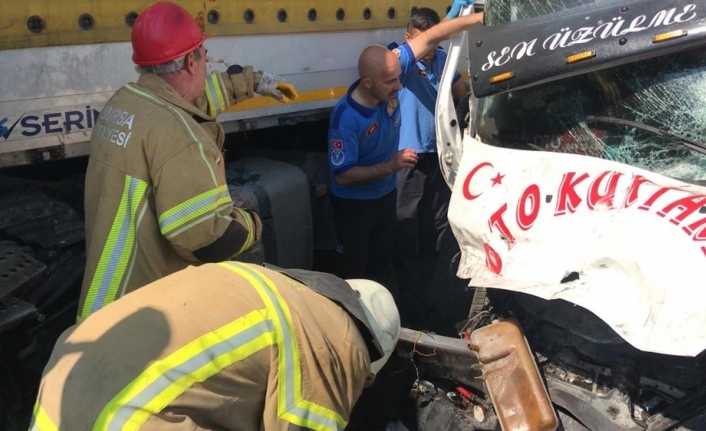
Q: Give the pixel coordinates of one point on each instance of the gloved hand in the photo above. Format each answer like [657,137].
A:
[457,6]
[274,86]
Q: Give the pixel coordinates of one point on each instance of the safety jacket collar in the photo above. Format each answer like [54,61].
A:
[159,87]
[340,292]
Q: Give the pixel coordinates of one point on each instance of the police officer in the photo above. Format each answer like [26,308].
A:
[227,346]
[422,194]
[156,199]
[363,157]
[364,134]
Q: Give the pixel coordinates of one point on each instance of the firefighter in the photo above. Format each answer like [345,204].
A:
[156,199]
[226,346]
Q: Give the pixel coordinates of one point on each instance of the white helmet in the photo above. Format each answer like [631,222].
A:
[381,311]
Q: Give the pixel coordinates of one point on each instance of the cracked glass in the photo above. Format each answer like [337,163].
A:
[504,11]
[649,114]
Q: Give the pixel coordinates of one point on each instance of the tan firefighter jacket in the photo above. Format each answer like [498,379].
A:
[228,346]
[156,198]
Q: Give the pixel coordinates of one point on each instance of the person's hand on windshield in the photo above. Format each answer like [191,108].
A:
[457,6]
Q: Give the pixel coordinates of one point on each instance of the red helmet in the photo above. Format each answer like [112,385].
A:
[163,32]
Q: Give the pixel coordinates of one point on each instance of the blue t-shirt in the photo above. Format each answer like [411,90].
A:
[361,136]
[418,98]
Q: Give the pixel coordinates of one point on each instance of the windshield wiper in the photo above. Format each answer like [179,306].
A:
[689,143]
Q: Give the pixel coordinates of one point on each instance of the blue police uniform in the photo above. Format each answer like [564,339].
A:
[418,98]
[362,136]
[422,193]
[365,214]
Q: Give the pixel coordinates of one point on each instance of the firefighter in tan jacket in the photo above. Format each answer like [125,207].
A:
[156,199]
[228,346]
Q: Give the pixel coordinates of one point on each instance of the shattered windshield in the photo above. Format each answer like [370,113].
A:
[650,114]
[503,11]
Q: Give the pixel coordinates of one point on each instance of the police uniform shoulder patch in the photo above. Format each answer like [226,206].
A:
[392,105]
[337,157]
[396,51]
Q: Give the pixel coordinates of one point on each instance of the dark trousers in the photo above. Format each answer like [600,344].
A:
[422,206]
[365,233]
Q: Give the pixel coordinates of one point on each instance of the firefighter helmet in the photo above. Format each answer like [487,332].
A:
[164,32]
[381,310]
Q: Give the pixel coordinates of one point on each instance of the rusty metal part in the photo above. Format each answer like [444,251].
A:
[442,357]
[512,377]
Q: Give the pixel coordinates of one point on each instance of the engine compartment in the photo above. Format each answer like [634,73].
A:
[595,379]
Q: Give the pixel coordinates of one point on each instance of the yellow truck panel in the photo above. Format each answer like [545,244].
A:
[37,23]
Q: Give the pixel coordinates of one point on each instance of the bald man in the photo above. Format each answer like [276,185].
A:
[364,133]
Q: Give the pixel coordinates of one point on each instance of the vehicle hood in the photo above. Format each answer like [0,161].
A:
[530,221]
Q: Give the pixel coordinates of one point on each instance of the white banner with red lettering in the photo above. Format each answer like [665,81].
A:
[525,220]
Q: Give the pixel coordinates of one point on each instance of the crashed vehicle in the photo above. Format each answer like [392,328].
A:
[62,60]
[578,169]
[577,196]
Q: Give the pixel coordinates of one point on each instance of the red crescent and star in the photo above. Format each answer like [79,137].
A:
[497,180]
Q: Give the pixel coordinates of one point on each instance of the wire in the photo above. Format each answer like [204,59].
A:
[414,347]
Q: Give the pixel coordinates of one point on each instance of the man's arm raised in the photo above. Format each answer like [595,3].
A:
[431,38]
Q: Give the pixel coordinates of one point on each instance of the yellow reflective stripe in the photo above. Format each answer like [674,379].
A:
[227,97]
[207,202]
[218,85]
[290,405]
[128,272]
[41,420]
[117,250]
[165,380]
[250,240]
[210,98]
[289,363]
[179,114]
[208,165]
[214,95]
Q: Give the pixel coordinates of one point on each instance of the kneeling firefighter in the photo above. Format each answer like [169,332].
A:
[222,346]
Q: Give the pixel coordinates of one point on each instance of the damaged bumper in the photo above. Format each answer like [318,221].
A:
[495,361]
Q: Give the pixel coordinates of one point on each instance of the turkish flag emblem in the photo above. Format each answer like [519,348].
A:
[337,144]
